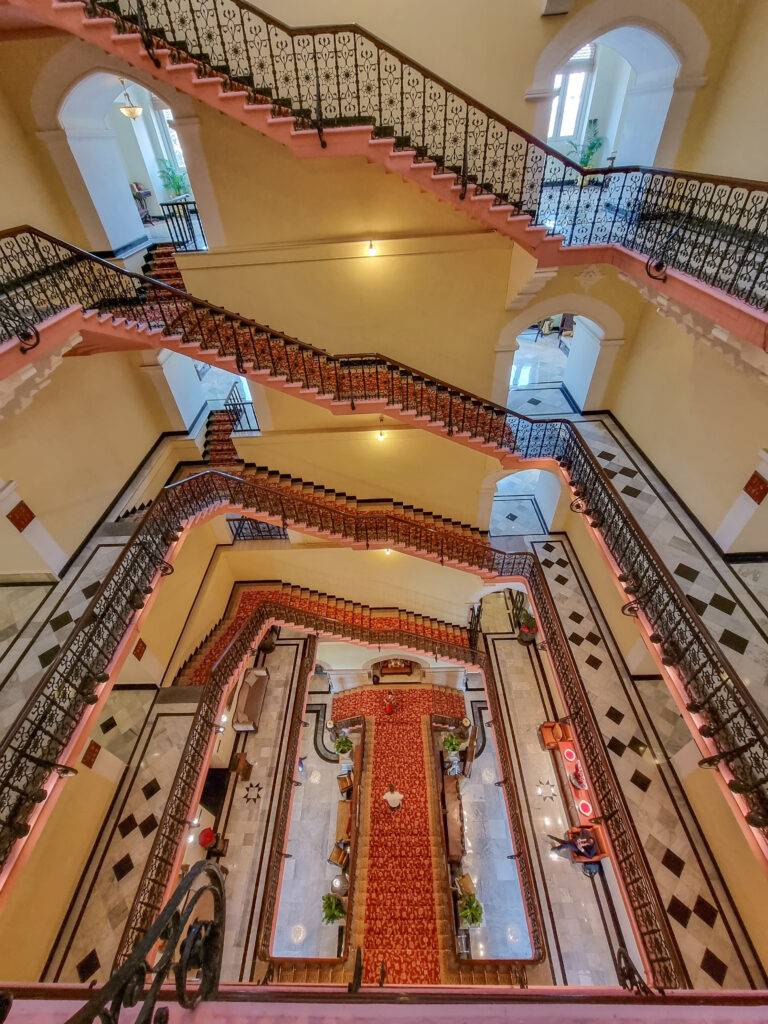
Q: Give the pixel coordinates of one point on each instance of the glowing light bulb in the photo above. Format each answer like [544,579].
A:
[224,718]
[381,434]
[371,249]
[387,551]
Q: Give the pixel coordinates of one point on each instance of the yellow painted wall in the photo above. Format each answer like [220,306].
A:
[39,898]
[30,192]
[436,304]
[72,449]
[409,465]
[735,141]
[698,418]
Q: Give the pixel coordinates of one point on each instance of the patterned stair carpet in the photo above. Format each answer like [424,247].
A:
[402,926]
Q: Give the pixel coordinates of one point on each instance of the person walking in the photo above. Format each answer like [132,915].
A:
[394,798]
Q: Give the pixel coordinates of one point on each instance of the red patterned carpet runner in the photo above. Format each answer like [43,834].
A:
[401,927]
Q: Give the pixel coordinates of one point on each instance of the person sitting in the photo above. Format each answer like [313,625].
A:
[393,797]
[581,844]
[389,703]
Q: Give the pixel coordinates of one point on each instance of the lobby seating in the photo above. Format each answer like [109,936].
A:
[250,700]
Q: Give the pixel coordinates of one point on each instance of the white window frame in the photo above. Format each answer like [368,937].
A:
[582,62]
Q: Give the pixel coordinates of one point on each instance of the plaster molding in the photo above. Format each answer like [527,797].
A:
[745,357]
[537,281]
[18,390]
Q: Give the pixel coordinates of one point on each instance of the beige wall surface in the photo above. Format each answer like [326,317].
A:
[73,448]
[37,902]
[699,419]
[30,190]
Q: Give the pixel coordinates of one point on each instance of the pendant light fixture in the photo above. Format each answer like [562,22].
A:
[129,108]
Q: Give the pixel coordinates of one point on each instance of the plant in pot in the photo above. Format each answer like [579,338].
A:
[528,627]
[470,911]
[175,181]
[590,145]
[343,745]
[452,743]
[333,908]
[269,642]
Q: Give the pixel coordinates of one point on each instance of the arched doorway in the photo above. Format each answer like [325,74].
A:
[525,504]
[131,160]
[611,98]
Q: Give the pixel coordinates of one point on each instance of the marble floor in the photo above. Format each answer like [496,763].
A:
[515,510]
[18,604]
[641,745]
[536,383]
[299,930]
[577,912]
[504,932]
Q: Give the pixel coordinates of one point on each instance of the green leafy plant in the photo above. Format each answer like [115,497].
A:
[343,745]
[527,622]
[470,911]
[452,743]
[591,145]
[175,181]
[333,908]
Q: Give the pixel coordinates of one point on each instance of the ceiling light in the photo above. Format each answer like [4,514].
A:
[387,551]
[371,249]
[381,435]
[129,108]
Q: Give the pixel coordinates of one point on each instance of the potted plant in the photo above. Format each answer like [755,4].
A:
[175,181]
[334,909]
[470,911]
[591,144]
[343,745]
[452,743]
[528,627]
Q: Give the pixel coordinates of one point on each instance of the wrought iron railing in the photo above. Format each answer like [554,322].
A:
[241,411]
[40,276]
[251,529]
[182,218]
[341,75]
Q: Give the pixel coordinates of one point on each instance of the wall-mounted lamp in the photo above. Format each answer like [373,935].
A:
[387,551]
[371,249]
[381,433]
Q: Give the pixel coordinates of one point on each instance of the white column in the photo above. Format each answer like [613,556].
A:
[590,364]
[177,385]
[55,141]
[751,503]
[31,529]
[502,371]
[188,129]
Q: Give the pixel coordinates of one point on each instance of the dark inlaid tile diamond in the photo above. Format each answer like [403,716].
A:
[673,863]
[575,617]
[594,662]
[108,724]
[149,790]
[88,966]
[126,826]
[547,562]
[593,638]
[637,746]
[626,471]
[734,641]
[562,562]
[610,473]
[606,456]
[91,589]
[705,911]
[616,716]
[616,746]
[641,781]
[713,966]
[687,572]
[631,492]
[723,604]
[148,826]
[576,639]
[548,547]
[60,621]
[699,605]
[123,866]
[511,517]
[47,657]
[534,401]
[562,580]
[679,911]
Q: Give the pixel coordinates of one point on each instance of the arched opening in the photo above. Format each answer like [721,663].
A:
[132,162]
[526,503]
[611,97]
[555,365]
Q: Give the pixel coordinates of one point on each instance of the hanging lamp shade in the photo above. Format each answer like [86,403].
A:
[129,109]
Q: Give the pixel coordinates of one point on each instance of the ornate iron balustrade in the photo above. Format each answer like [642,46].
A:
[182,218]
[250,529]
[341,75]
[240,411]
[40,276]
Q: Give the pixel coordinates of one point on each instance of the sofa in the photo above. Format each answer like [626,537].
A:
[250,700]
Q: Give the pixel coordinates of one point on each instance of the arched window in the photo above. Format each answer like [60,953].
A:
[572,87]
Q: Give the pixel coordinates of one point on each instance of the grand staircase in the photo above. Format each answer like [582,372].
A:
[338,90]
[48,285]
